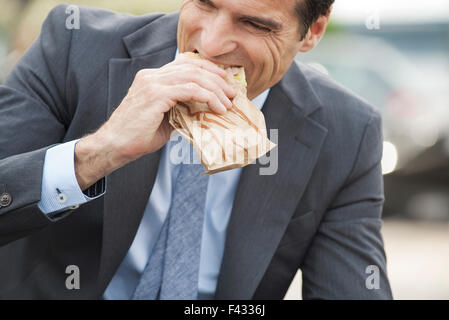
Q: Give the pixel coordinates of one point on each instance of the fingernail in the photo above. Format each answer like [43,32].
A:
[223,108]
[228,103]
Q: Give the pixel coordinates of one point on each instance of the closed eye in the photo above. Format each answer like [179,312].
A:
[258,26]
[206,2]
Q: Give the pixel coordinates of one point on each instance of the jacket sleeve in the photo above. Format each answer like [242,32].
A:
[33,117]
[346,259]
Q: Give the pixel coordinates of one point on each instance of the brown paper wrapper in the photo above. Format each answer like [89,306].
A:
[228,141]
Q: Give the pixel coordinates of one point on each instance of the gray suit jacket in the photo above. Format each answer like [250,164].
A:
[321,212]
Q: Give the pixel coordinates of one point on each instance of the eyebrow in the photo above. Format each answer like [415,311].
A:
[264,21]
[267,22]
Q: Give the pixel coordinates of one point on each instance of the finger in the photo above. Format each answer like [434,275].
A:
[174,71]
[202,63]
[206,80]
[204,74]
[192,91]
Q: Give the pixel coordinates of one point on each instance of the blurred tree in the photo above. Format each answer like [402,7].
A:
[9,14]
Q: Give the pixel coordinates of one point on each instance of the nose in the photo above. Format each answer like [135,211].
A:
[217,38]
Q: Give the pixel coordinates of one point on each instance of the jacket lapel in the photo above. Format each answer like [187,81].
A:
[264,204]
[129,188]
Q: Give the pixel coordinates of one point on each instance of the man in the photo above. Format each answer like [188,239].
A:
[111,83]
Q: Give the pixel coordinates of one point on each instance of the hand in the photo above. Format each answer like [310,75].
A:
[140,125]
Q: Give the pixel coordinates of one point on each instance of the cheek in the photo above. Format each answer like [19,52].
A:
[266,59]
[188,23]
[269,60]
[281,54]
[275,48]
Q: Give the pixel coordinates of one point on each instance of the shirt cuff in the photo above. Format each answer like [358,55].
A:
[60,189]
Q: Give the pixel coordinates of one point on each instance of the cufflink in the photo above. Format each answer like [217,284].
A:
[62,198]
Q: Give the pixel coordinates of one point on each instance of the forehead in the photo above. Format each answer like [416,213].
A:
[280,9]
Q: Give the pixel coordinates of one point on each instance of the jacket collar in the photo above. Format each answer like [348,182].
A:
[153,37]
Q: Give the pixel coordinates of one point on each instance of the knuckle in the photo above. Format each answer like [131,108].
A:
[212,96]
[141,74]
[150,87]
[192,86]
[157,91]
[191,69]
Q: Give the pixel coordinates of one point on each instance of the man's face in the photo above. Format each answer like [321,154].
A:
[260,35]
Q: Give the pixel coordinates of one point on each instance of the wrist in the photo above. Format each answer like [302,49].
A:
[95,157]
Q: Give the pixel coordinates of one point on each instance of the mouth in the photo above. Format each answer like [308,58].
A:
[224,66]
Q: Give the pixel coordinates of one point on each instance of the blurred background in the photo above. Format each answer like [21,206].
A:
[393,54]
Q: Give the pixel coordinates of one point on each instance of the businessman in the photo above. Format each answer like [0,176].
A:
[93,207]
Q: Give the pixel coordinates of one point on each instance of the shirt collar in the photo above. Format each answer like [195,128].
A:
[258,101]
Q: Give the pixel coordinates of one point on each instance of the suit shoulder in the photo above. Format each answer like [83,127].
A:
[337,101]
[95,22]
[351,121]
[86,47]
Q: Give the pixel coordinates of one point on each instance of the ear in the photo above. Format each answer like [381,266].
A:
[315,33]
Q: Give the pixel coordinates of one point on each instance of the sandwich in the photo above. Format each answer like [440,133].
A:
[223,142]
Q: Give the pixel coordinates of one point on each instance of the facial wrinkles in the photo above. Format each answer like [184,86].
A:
[278,45]
[285,47]
[275,48]
[271,66]
[266,63]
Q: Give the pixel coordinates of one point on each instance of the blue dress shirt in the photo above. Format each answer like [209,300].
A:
[60,190]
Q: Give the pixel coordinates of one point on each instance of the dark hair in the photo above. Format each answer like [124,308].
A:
[309,11]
